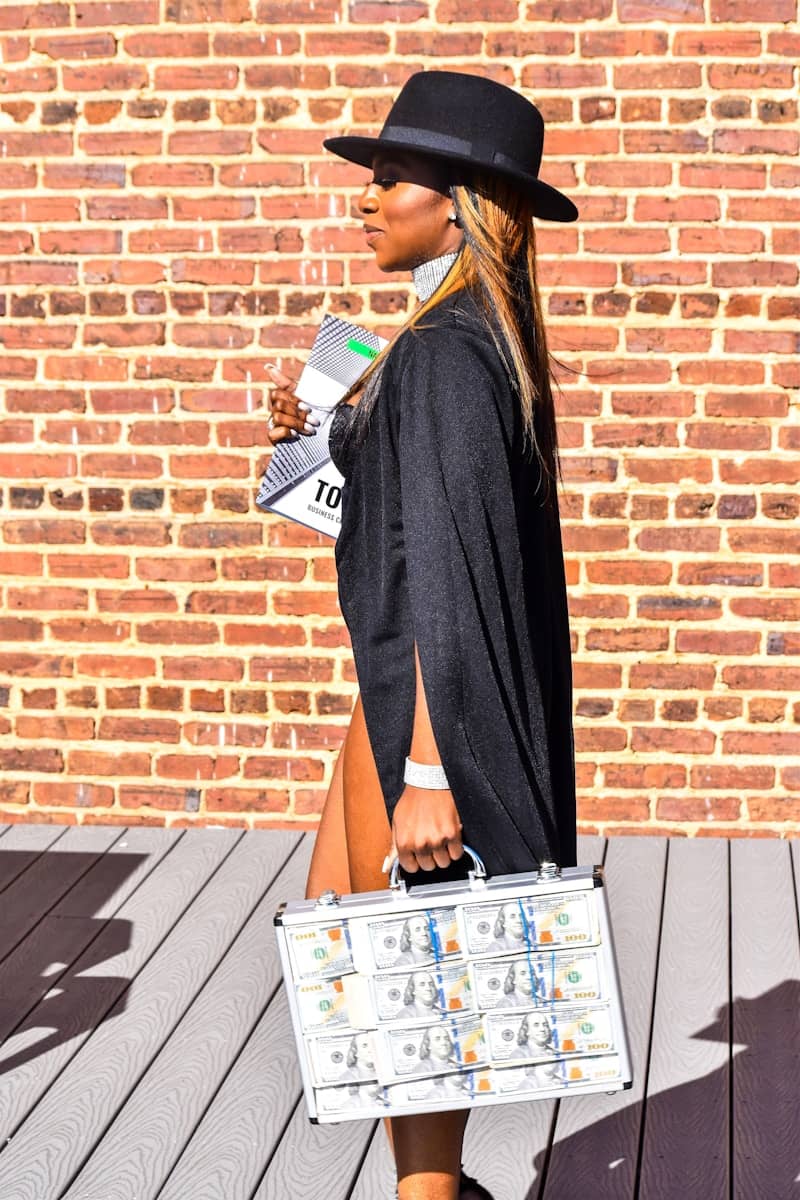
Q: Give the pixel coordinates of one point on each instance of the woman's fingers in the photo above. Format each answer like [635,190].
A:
[426,829]
[281,380]
[289,417]
[426,860]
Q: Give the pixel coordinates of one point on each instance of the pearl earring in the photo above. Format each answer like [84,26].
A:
[452,217]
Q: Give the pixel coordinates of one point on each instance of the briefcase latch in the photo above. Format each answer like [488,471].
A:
[328,899]
[549,870]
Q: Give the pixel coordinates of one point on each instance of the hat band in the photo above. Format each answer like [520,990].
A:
[445,143]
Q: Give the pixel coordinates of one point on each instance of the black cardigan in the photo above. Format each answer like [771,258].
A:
[445,541]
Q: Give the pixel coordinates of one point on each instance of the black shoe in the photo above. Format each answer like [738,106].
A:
[470,1189]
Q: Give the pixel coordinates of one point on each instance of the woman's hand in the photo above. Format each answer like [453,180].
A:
[426,829]
[289,417]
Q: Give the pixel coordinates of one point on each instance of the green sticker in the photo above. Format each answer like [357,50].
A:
[361,348]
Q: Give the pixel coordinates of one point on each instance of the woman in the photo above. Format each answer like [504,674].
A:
[451,576]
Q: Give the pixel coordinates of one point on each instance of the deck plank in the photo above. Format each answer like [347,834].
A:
[42,960]
[87,1095]
[116,875]
[688,1084]
[765,977]
[146,1139]
[315,1162]
[31,1061]
[238,1135]
[34,892]
[22,845]
[596,1138]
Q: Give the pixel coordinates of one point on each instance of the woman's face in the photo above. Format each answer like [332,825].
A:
[440,1044]
[424,989]
[512,921]
[405,209]
[538,1030]
[418,933]
[364,1050]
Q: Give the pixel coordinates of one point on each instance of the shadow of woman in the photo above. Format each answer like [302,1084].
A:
[731,1132]
[72,999]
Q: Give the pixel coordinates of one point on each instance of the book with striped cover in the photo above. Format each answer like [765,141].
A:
[301,482]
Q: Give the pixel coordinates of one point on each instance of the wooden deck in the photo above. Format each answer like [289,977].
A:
[146,1049]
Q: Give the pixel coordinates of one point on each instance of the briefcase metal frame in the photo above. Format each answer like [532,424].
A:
[549,882]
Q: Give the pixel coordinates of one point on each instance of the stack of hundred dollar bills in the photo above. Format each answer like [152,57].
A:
[454,1005]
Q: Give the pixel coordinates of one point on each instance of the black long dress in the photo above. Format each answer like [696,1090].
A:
[445,541]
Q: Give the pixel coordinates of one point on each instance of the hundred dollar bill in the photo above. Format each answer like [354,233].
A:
[321,1005]
[534,979]
[530,923]
[440,1089]
[439,1049]
[349,1097]
[561,1073]
[542,1034]
[423,995]
[347,1057]
[320,951]
[414,939]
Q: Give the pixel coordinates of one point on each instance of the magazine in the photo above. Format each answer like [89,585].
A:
[301,482]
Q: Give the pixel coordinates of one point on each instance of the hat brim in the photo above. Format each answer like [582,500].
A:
[548,202]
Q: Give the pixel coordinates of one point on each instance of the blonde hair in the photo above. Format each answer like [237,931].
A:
[498,265]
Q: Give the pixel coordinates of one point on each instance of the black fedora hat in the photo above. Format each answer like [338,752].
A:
[469,120]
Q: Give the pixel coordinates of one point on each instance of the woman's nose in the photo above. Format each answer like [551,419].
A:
[368,200]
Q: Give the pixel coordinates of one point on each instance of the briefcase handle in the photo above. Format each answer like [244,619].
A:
[476,875]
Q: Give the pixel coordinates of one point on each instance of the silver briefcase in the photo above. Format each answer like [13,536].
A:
[452,995]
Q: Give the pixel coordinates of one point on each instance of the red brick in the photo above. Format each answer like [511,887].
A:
[564,11]
[129,729]
[741,10]
[710,808]
[97,762]
[73,794]
[234,799]
[657,740]
[756,141]
[672,677]
[31,759]
[772,743]
[695,641]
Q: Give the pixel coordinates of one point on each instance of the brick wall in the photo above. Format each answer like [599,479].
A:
[169,224]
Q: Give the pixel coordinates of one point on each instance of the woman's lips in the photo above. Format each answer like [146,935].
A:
[371,233]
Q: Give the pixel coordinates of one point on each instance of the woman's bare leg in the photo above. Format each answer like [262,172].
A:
[329,862]
[427,1148]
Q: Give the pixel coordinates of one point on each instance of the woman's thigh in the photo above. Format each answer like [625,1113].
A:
[329,865]
[354,837]
[367,830]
